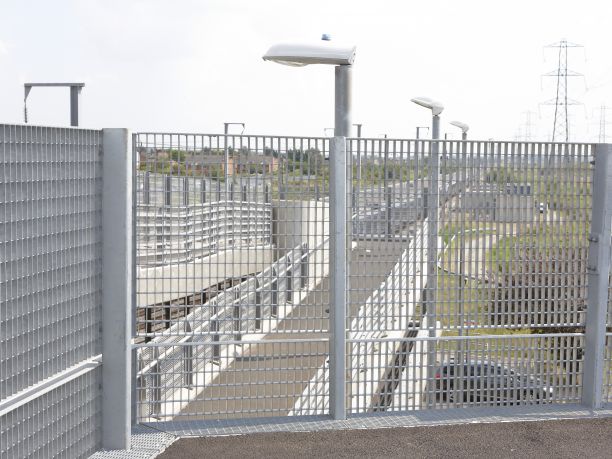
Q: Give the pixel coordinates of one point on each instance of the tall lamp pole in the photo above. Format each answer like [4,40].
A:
[464,181]
[226,154]
[355,194]
[433,204]
[342,58]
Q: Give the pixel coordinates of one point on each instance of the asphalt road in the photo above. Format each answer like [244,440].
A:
[591,438]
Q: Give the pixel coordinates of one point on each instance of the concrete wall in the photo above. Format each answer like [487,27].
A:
[165,283]
[296,222]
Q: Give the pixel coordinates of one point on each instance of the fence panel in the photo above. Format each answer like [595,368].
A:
[50,286]
[232,247]
[488,269]
[503,253]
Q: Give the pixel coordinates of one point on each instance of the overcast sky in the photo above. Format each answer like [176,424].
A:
[189,66]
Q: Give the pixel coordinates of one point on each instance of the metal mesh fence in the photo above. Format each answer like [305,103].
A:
[475,371]
[50,278]
[470,248]
[512,222]
[232,246]
[189,381]
[64,422]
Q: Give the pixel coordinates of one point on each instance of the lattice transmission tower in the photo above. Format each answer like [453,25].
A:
[561,129]
[603,123]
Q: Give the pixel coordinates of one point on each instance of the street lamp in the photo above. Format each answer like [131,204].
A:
[436,108]
[432,207]
[299,55]
[342,58]
[464,128]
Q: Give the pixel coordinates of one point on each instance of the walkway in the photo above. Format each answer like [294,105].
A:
[590,438]
[268,378]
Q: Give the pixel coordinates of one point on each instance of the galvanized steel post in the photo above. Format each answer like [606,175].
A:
[343,89]
[598,267]
[433,212]
[117,288]
[74,105]
[338,277]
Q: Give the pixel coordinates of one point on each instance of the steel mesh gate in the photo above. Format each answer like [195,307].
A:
[467,275]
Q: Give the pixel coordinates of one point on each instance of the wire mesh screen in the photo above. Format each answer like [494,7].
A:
[455,250]
[475,371]
[232,247]
[50,277]
[64,422]
[463,239]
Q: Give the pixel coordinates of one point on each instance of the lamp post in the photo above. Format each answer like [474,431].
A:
[355,205]
[467,167]
[464,128]
[226,154]
[342,58]
[433,204]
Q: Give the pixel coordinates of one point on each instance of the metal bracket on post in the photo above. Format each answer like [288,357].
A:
[598,271]
[117,288]
[338,274]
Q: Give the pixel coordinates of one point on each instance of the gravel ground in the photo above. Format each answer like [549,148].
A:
[590,438]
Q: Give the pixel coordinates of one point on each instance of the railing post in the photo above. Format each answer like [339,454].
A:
[202,191]
[156,390]
[188,358]
[168,190]
[598,267]
[214,328]
[186,191]
[146,188]
[304,265]
[237,313]
[431,289]
[289,280]
[274,294]
[389,205]
[338,274]
[117,288]
[258,304]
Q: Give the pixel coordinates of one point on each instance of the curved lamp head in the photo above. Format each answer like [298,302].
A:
[464,127]
[299,55]
[435,106]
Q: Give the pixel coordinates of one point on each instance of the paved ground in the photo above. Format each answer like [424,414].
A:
[590,438]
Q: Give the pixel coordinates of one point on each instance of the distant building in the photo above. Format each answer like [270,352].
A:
[246,164]
[209,164]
